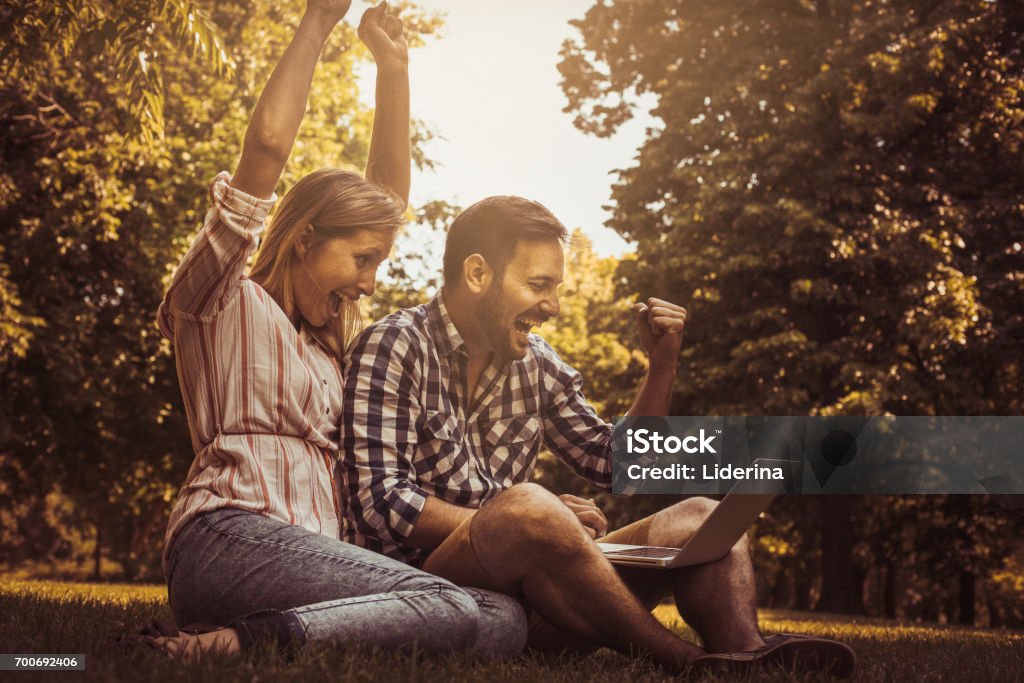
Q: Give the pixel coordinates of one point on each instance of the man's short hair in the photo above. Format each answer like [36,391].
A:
[492,227]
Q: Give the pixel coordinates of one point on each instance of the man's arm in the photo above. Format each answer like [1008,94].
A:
[378,437]
[438,519]
[571,428]
[660,324]
[379,441]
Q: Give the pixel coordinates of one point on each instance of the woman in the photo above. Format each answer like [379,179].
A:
[253,541]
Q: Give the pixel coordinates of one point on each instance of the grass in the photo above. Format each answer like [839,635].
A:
[50,617]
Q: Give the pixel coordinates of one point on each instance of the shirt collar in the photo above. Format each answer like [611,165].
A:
[445,334]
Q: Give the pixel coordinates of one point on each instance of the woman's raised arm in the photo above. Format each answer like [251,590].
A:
[282,104]
[390,155]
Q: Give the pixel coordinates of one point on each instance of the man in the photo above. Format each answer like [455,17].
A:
[447,406]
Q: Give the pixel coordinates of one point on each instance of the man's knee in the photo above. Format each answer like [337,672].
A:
[530,519]
[675,525]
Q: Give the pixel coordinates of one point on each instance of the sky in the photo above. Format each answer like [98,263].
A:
[489,87]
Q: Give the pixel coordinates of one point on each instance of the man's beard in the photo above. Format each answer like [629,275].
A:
[492,316]
[498,323]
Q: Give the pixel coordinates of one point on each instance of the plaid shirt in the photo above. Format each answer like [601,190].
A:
[408,430]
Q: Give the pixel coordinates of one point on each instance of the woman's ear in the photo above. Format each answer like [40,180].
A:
[477,274]
[303,242]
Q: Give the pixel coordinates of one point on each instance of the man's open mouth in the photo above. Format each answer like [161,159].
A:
[524,325]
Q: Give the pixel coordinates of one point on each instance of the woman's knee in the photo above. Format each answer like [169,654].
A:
[459,620]
[502,624]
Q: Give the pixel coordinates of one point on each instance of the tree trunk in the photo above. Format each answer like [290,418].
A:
[840,588]
[968,582]
[995,617]
[777,595]
[97,554]
[963,512]
[802,585]
[889,591]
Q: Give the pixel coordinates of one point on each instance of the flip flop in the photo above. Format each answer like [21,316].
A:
[731,664]
[145,636]
[794,653]
[799,653]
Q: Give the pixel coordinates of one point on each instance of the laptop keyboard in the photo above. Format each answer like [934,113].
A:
[649,551]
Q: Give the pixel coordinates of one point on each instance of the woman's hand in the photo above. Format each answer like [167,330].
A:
[382,34]
[332,11]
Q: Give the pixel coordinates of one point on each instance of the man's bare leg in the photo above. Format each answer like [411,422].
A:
[717,599]
[525,541]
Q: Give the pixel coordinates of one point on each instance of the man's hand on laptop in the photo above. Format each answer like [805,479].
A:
[588,513]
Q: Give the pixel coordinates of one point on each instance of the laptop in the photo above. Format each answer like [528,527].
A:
[715,537]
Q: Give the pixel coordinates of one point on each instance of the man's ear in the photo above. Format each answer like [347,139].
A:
[477,274]
[303,242]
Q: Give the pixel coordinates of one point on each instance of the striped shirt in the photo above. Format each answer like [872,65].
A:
[408,430]
[262,399]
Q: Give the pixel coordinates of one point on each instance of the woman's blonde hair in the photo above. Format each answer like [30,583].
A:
[337,203]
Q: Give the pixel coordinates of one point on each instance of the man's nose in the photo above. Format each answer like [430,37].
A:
[550,306]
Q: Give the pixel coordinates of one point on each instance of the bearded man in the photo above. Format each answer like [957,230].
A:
[447,406]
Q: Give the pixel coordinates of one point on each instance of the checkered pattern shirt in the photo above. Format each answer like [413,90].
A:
[408,430]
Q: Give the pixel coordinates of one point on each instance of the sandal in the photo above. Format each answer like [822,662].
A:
[798,653]
[730,664]
[146,635]
[794,653]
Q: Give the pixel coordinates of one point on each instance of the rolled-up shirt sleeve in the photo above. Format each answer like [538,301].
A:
[211,270]
[379,438]
[572,430]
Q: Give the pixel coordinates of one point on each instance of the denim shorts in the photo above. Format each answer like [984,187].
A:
[279,581]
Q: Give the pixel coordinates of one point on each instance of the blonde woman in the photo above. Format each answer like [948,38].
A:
[253,541]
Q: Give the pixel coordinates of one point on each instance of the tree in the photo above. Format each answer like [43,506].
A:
[130,35]
[834,193]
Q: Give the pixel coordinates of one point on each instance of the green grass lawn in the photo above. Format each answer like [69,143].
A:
[49,617]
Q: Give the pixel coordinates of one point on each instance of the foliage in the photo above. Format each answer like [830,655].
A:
[16,328]
[834,192]
[128,37]
[414,267]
